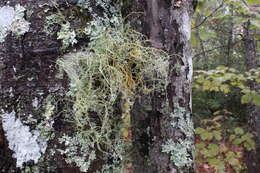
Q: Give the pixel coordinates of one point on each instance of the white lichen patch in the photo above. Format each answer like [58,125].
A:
[12,20]
[27,146]
[35,102]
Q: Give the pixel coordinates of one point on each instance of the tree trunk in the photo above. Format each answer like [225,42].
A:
[167,25]
[252,61]
[162,126]
[27,77]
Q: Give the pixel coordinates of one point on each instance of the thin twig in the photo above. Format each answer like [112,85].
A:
[210,15]
[219,47]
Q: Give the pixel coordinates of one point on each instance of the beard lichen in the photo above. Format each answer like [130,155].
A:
[105,78]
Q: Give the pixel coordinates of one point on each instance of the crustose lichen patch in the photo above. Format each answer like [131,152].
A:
[12,20]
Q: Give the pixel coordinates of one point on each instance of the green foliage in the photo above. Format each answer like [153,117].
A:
[252,2]
[222,148]
[217,31]
[224,79]
[105,78]
[240,11]
[225,88]
[240,137]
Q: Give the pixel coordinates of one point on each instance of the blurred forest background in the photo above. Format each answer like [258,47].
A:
[226,88]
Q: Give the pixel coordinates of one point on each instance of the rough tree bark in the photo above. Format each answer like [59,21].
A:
[27,77]
[167,25]
[252,61]
[27,73]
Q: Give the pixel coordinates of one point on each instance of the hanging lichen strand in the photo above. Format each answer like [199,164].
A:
[105,78]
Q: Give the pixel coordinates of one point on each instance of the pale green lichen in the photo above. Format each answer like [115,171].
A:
[98,26]
[117,155]
[78,150]
[109,9]
[12,20]
[112,70]
[67,35]
[51,21]
[97,21]
[49,110]
[184,121]
[180,150]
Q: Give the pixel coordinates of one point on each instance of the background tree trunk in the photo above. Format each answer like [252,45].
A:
[167,25]
[252,62]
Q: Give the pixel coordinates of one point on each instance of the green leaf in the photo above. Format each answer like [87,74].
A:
[246,98]
[232,137]
[206,34]
[249,135]
[213,150]
[199,130]
[223,149]
[224,88]
[256,100]
[252,2]
[237,141]
[230,154]
[217,135]
[214,161]
[250,145]
[199,160]
[239,131]
[221,167]
[201,145]
[233,161]
[213,147]
[205,153]
[194,40]
[206,136]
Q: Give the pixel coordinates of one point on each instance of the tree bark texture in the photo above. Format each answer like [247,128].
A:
[167,24]
[252,62]
[28,69]
[27,72]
